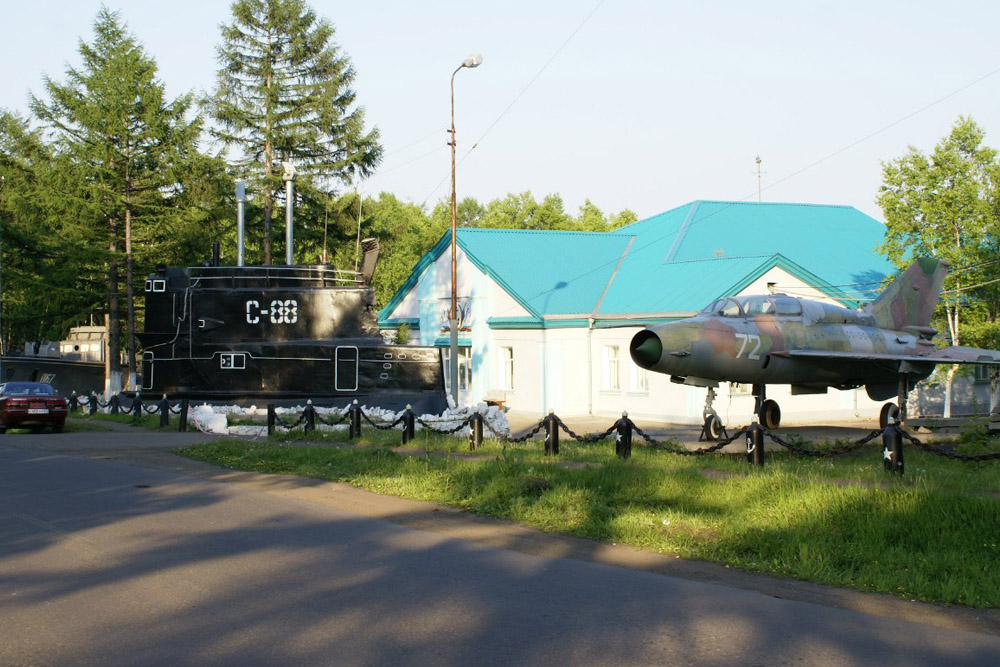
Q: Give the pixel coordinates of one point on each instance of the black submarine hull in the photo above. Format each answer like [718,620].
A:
[286,334]
[65,375]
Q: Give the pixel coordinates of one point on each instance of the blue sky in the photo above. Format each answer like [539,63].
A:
[650,104]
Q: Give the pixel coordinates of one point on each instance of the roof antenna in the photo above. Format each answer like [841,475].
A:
[758,177]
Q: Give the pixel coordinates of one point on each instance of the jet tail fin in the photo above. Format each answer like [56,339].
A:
[910,299]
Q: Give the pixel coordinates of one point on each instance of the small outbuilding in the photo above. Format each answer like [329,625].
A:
[545,317]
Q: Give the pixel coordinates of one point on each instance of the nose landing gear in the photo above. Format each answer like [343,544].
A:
[712,428]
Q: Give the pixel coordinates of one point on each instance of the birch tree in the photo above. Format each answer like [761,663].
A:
[940,205]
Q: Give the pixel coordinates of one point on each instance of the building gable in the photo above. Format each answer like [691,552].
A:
[668,265]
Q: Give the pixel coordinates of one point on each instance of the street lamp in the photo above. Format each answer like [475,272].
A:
[471,61]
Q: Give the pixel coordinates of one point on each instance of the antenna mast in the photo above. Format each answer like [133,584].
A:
[758,178]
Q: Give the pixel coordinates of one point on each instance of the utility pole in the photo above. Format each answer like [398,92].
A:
[470,62]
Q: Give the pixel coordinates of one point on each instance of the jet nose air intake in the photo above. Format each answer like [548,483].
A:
[646,349]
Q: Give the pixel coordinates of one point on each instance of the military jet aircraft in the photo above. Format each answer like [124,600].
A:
[778,339]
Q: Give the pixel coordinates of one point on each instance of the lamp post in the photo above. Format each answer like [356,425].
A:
[471,61]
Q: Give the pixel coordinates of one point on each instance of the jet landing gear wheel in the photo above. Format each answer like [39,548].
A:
[769,415]
[712,428]
[888,410]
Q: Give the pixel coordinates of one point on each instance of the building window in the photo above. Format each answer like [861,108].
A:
[611,364]
[981,372]
[640,380]
[464,368]
[507,367]
[740,389]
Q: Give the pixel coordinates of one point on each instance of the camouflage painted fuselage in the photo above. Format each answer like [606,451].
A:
[778,339]
[775,348]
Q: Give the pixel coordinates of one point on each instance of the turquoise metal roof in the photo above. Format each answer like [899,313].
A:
[550,272]
[644,286]
[676,261]
[836,243]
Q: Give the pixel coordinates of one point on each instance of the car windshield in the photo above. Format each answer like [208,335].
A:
[26,389]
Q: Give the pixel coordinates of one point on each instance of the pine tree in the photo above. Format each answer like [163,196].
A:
[120,143]
[284,94]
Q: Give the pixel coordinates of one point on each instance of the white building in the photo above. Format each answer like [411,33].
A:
[545,317]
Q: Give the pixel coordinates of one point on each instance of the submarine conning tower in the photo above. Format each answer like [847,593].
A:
[201,305]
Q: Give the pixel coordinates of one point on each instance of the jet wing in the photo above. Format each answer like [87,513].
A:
[948,355]
[957,354]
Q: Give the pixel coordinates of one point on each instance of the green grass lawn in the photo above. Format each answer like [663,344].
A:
[931,535]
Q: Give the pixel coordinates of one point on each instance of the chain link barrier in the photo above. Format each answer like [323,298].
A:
[340,419]
[285,425]
[386,427]
[678,449]
[458,428]
[505,437]
[85,401]
[994,456]
[591,437]
[819,453]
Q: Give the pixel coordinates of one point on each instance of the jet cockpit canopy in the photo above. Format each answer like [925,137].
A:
[750,306]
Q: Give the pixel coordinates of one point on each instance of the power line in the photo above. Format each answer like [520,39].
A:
[408,162]
[963,289]
[413,143]
[519,95]
[887,127]
[793,174]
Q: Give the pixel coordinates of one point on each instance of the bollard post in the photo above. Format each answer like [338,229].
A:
[475,430]
[409,425]
[93,403]
[114,404]
[623,439]
[310,415]
[892,448]
[272,417]
[354,420]
[183,425]
[164,412]
[755,443]
[551,434]
[74,403]
[137,407]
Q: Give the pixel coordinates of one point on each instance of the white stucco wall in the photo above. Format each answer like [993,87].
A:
[564,369]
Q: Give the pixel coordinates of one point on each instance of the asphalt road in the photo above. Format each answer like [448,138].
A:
[159,562]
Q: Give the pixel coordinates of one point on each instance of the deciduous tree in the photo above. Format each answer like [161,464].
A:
[944,205]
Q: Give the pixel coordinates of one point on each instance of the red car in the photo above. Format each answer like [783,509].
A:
[33,405]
